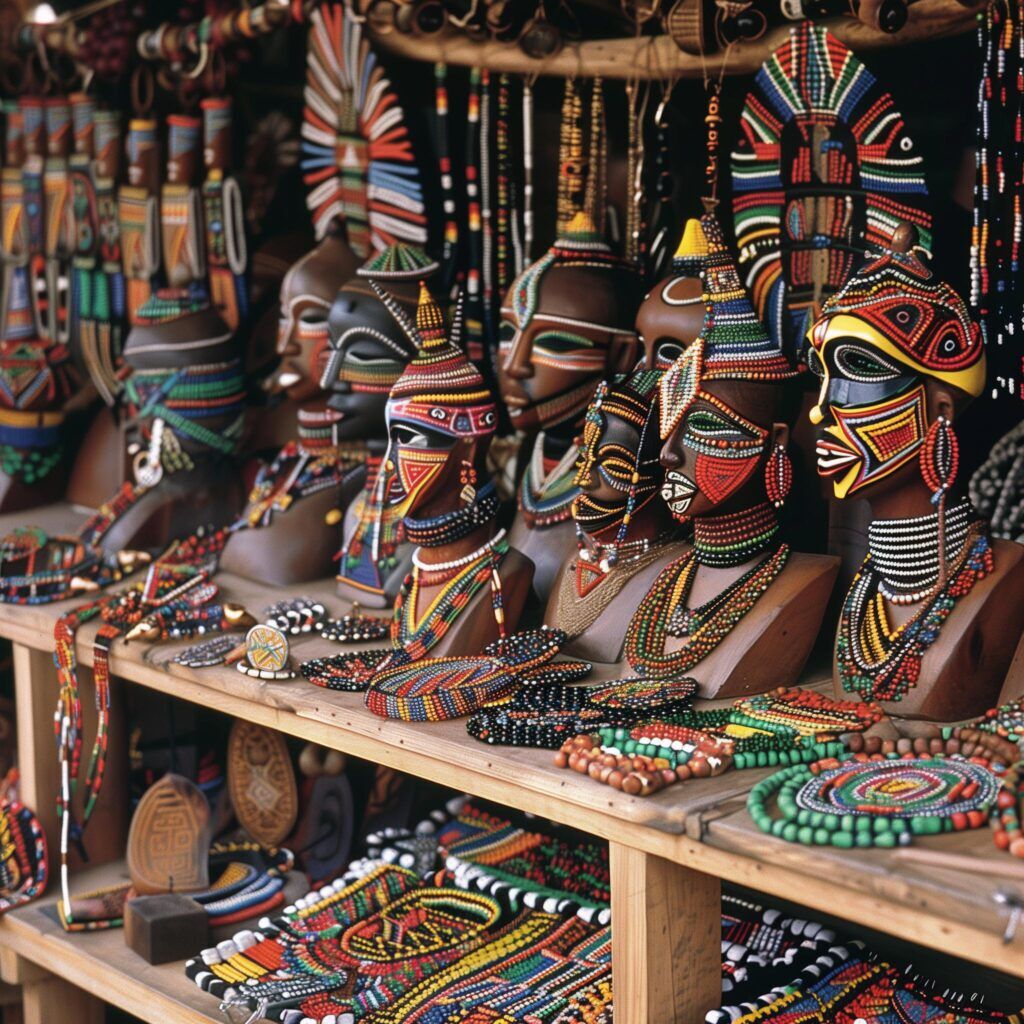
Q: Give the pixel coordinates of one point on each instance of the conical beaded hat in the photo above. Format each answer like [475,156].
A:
[440,388]
[733,343]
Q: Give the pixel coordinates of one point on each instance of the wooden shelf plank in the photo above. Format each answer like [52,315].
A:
[701,825]
[659,58]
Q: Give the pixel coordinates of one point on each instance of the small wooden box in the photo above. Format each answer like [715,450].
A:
[165,927]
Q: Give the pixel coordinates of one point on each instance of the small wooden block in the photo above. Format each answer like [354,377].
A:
[166,927]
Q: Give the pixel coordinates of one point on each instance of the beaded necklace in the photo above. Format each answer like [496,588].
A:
[176,599]
[416,634]
[24,864]
[545,498]
[721,541]
[297,472]
[869,801]
[882,663]
[370,554]
[474,317]
[449,253]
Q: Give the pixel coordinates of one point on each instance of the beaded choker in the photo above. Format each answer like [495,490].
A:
[905,552]
[664,609]
[882,663]
[449,527]
[725,541]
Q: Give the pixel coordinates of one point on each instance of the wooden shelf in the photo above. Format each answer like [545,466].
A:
[684,839]
[657,57]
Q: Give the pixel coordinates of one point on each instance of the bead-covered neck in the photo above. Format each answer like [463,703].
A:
[723,541]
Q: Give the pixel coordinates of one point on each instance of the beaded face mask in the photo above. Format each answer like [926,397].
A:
[721,451]
[618,468]
[890,328]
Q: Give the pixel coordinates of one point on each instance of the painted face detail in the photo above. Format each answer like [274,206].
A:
[418,459]
[871,408]
[678,492]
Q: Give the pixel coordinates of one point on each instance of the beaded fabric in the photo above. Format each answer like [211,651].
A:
[357,156]
[803,215]
[348,951]
[884,801]
[24,864]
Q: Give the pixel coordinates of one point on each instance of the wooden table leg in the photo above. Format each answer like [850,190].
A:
[35,696]
[666,940]
[53,999]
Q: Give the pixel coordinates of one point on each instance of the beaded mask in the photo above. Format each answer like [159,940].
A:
[879,339]
[719,447]
[372,337]
[823,167]
[617,470]
[439,400]
[567,322]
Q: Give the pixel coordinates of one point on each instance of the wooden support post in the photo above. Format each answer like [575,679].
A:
[666,939]
[35,697]
[53,999]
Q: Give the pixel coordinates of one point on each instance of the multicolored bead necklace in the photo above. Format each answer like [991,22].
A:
[417,634]
[882,663]
[449,527]
[720,542]
[546,496]
[869,801]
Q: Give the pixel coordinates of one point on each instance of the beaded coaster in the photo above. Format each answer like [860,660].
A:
[266,655]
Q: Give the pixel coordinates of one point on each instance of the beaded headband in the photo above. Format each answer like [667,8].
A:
[440,388]
[924,321]
[580,246]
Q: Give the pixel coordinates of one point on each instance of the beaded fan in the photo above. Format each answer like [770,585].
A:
[824,168]
[357,156]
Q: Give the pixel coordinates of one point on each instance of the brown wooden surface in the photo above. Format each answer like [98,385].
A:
[664,919]
[702,824]
[659,58]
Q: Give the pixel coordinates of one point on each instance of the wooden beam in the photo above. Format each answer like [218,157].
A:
[657,57]
[666,939]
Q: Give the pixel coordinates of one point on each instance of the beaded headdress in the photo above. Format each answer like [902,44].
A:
[440,388]
[817,132]
[920,321]
[357,157]
[733,343]
[580,245]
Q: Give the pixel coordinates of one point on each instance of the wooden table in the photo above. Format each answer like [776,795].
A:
[669,852]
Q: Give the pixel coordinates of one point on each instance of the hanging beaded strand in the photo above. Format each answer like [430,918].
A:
[571,160]
[449,254]
[595,201]
[486,214]
[474,326]
[527,254]
[997,295]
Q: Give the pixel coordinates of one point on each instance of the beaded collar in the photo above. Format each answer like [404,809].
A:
[545,498]
[905,552]
[438,531]
[705,627]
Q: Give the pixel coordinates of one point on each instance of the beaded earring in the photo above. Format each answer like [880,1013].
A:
[940,458]
[467,477]
[778,476]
